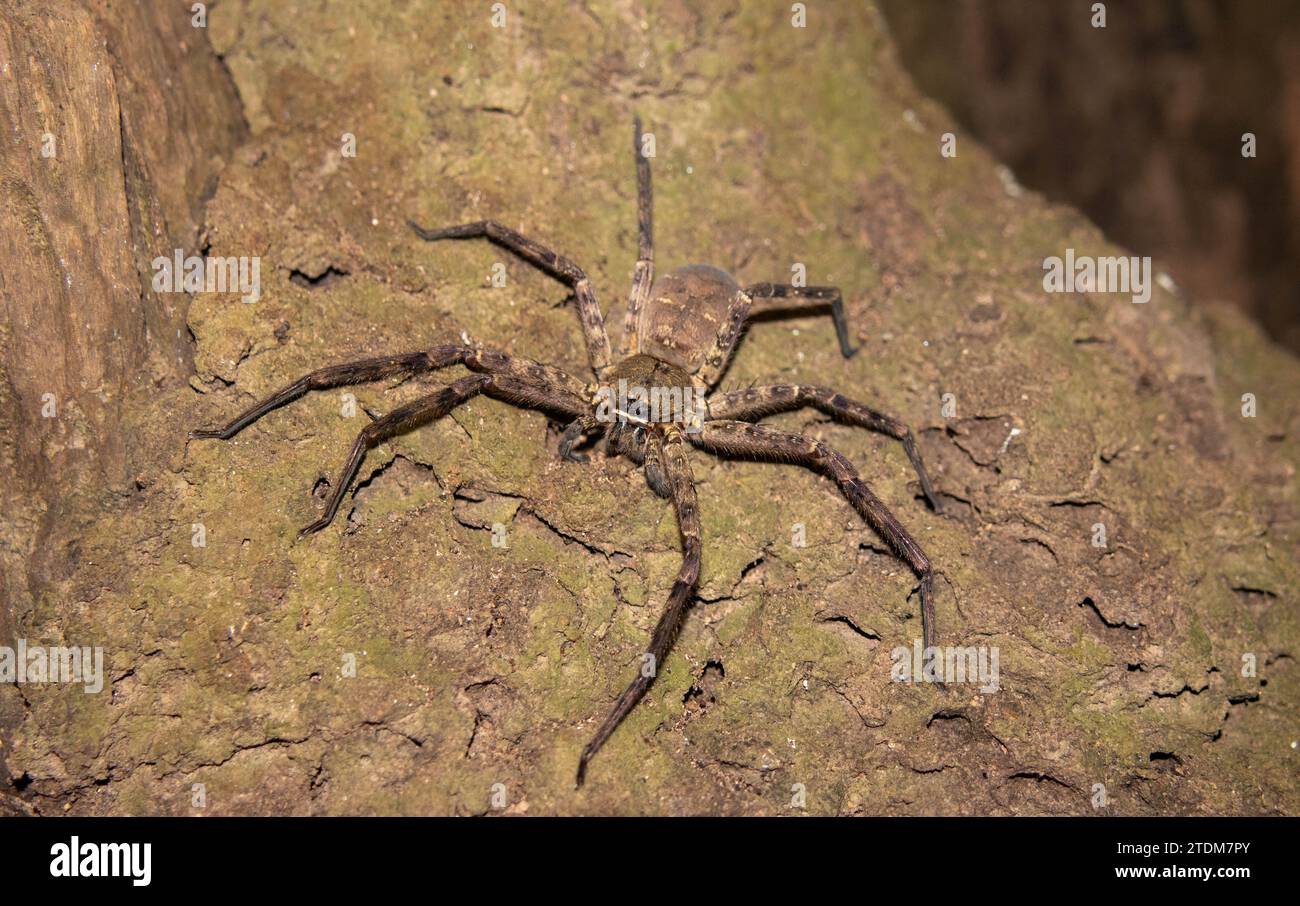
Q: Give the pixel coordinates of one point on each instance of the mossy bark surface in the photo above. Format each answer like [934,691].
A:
[477,665]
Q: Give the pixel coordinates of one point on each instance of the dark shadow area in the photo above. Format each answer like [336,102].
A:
[1140,124]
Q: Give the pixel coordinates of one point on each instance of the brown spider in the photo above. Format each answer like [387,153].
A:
[678,335]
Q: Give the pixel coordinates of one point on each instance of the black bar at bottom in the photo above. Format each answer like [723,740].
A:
[305,855]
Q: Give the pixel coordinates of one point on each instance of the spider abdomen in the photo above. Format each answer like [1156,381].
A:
[680,321]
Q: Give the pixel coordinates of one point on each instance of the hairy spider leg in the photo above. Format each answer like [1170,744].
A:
[642,280]
[593,323]
[399,421]
[791,300]
[677,471]
[342,375]
[573,434]
[655,475]
[752,403]
[509,378]
[741,439]
[432,407]
[476,358]
[733,324]
[643,272]
[757,300]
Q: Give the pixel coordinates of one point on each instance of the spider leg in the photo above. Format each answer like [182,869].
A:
[476,358]
[514,380]
[400,420]
[634,443]
[338,376]
[593,323]
[749,302]
[528,373]
[643,272]
[731,438]
[719,354]
[678,472]
[654,472]
[754,403]
[573,434]
[798,299]
[536,394]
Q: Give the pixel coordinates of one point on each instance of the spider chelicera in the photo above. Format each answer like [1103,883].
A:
[678,336]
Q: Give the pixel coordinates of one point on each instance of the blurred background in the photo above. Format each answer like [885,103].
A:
[1140,125]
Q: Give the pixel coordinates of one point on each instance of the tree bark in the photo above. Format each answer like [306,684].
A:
[1116,526]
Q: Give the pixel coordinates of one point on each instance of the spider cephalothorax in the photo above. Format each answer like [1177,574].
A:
[654,402]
